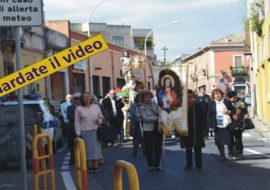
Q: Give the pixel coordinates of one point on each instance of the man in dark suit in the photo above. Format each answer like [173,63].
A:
[195,139]
[202,100]
[113,113]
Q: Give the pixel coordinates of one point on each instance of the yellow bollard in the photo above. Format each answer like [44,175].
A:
[35,130]
[40,155]
[131,172]
[80,164]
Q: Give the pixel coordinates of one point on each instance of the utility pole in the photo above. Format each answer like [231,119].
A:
[164,49]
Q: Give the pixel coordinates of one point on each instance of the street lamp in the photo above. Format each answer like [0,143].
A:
[145,40]
[90,14]
[89,35]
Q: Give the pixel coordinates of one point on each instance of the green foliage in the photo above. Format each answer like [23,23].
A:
[239,71]
[256,24]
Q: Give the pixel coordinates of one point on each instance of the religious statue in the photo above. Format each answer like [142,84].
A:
[127,66]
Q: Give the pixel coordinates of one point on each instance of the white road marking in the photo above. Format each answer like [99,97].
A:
[265,139]
[68,181]
[246,135]
[6,186]
[66,162]
[65,167]
[255,152]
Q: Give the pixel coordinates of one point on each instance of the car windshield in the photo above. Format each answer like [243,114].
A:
[35,107]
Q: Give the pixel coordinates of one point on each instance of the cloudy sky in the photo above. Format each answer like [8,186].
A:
[202,21]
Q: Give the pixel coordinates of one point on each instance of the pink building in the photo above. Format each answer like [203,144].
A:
[221,64]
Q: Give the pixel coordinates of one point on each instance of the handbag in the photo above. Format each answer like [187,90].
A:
[106,133]
[232,126]
[247,123]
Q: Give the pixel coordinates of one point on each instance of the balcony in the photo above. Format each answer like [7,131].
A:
[239,71]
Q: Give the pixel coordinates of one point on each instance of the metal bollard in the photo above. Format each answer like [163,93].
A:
[131,172]
[41,148]
[35,130]
[80,164]
[39,155]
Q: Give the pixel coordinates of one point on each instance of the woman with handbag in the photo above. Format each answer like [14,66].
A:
[152,138]
[218,118]
[238,113]
[88,116]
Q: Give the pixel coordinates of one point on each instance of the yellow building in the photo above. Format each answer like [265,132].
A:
[258,28]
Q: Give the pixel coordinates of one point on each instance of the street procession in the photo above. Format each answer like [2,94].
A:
[176,96]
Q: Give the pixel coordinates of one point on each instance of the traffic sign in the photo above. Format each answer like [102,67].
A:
[52,64]
[21,13]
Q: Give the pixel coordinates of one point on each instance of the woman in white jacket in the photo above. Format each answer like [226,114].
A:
[152,138]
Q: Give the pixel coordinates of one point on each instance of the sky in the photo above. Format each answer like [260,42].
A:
[201,21]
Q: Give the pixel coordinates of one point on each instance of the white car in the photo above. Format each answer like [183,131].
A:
[35,112]
[248,99]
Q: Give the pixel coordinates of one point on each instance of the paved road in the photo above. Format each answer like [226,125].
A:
[249,174]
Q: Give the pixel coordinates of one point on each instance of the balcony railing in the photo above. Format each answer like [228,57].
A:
[239,71]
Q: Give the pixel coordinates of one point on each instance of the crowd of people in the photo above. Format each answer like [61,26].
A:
[219,115]
[82,114]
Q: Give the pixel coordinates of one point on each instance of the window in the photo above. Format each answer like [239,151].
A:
[239,80]
[35,107]
[148,85]
[239,85]
[106,83]
[238,61]
[119,40]
[96,85]
[79,82]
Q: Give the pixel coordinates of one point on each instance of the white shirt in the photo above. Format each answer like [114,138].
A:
[220,107]
[114,107]
[64,107]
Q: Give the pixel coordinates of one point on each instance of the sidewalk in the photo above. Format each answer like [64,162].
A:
[261,127]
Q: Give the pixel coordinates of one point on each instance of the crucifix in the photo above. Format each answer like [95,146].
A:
[164,49]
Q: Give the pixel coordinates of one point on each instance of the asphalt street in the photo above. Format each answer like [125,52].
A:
[248,174]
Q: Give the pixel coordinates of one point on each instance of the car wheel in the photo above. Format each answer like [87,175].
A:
[3,165]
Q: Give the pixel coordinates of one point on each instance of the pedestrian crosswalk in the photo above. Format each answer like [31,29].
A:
[68,181]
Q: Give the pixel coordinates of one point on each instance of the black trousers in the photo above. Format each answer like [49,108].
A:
[71,138]
[237,138]
[65,127]
[136,142]
[118,125]
[198,156]
[239,142]
[152,144]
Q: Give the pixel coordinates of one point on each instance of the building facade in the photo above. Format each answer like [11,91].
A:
[102,72]
[258,31]
[32,43]
[221,64]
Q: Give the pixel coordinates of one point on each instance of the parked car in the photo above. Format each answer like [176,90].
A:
[247,99]
[35,112]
